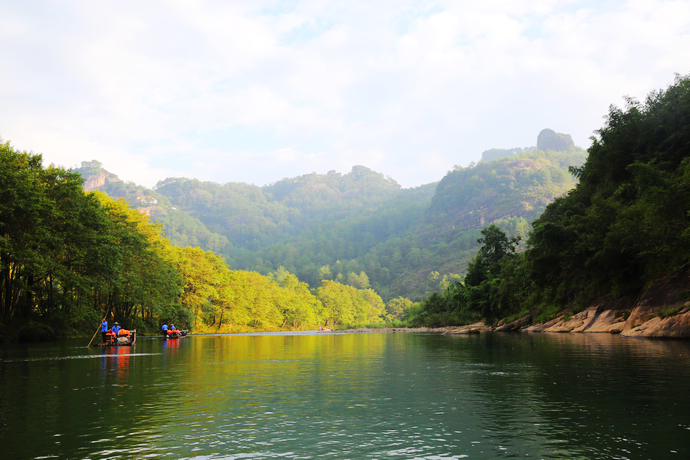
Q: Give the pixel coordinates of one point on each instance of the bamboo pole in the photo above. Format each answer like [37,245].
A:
[94,336]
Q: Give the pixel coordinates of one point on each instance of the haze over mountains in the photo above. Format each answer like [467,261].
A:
[360,228]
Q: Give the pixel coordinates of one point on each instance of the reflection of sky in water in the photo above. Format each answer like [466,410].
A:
[353,396]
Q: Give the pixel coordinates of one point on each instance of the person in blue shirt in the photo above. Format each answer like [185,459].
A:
[165,329]
[116,328]
[104,329]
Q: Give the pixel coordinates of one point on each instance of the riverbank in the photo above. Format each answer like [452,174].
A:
[662,311]
[591,320]
[475,328]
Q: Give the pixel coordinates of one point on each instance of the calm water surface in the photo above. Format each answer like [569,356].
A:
[356,396]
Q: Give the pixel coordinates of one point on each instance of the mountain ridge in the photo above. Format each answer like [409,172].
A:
[409,241]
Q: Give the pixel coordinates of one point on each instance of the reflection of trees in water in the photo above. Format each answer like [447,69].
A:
[546,395]
[587,392]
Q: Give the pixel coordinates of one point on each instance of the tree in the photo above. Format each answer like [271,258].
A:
[299,307]
[372,306]
[360,281]
[625,225]
[396,308]
[497,245]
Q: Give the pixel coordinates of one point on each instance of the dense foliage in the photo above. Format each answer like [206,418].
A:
[623,227]
[479,295]
[254,217]
[69,258]
[626,223]
[409,242]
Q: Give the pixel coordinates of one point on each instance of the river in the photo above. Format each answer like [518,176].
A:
[348,396]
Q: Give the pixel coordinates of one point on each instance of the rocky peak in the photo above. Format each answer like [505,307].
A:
[549,139]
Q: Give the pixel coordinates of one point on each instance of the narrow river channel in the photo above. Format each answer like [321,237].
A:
[348,396]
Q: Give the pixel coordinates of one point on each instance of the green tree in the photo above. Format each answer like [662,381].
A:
[625,224]
[497,246]
[396,308]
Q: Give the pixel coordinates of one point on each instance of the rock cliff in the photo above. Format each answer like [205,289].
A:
[662,311]
[549,139]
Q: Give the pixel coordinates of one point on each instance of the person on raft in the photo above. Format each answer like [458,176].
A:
[104,329]
[165,329]
[116,329]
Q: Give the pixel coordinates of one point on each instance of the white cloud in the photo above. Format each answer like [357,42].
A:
[239,91]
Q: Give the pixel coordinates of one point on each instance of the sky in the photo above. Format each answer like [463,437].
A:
[257,91]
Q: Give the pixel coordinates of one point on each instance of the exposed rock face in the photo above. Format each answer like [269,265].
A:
[663,311]
[475,328]
[666,296]
[541,327]
[675,327]
[93,182]
[549,139]
[516,325]
[607,321]
[96,181]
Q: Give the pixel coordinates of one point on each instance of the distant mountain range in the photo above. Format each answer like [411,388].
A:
[359,227]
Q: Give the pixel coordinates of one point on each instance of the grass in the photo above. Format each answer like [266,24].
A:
[547,313]
[624,314]
[668,312]
[515,317]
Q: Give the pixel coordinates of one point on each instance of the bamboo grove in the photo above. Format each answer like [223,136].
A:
[68,258]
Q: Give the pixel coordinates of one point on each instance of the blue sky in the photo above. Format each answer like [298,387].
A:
[258,91]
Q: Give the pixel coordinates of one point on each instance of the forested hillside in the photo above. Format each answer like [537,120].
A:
[626,224]
[622,229]
[353,248]
[509,191]
[69,258]
[180,227]
[253,217]
[406,242]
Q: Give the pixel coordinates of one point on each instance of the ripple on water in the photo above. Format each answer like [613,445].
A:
[379,396]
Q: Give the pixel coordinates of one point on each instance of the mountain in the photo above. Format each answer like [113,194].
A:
[509,191]
[611,255]
[362,224]
[253,217]
[180,227]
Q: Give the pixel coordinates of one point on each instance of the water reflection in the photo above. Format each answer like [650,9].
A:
[590,395]
[349,396]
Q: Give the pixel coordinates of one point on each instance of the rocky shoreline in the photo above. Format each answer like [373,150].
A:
[663,311]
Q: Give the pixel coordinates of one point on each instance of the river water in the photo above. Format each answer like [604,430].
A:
[348,396]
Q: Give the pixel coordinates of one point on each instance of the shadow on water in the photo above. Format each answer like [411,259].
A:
[588,395]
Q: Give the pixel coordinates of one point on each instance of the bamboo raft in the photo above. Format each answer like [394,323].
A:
[120,341]
[175,335]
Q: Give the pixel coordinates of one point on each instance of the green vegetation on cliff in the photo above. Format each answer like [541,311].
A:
[626,223]
[409,242]
[623,227]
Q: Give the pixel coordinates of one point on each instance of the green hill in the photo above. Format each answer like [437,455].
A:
[620,238]
[406,242]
